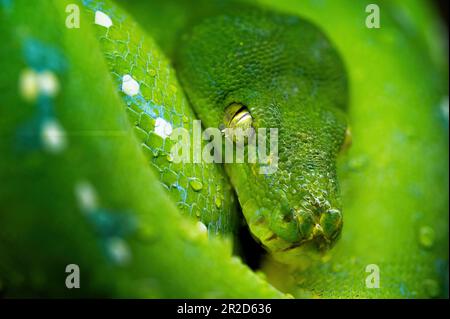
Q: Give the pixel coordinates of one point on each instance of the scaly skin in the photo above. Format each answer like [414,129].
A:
[289,76]
[394,179]
[291,218]
[128,238]
[200,190]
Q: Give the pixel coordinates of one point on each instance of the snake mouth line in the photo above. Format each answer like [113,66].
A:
[322,234]
[293,246]
[320,242]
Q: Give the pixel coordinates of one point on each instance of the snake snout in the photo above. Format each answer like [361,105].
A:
[320,226]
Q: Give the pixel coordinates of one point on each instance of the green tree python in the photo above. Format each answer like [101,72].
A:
[113,194]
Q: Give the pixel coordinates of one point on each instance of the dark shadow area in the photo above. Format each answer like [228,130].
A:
[442,7]
[250,251]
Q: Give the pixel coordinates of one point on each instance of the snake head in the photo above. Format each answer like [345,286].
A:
[257,69]
[297,207]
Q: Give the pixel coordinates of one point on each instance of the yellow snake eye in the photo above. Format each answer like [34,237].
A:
[347,141]
[237,116]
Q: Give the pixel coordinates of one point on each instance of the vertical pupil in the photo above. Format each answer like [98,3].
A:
[237,116]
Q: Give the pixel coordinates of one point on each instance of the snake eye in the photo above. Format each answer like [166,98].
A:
[347,141]
[237,116]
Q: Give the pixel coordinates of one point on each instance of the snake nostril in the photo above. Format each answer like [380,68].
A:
[331,222]
[305,223]
[287,218]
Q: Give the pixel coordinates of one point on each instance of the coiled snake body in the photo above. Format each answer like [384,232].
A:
[281,72]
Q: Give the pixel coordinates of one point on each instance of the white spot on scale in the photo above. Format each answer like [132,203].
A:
[103,19]
[53,136]
[86,195]
[202,227]
[162,127]
[118,250]
[32,83]
[129,85]
[28,84]
[48,83]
